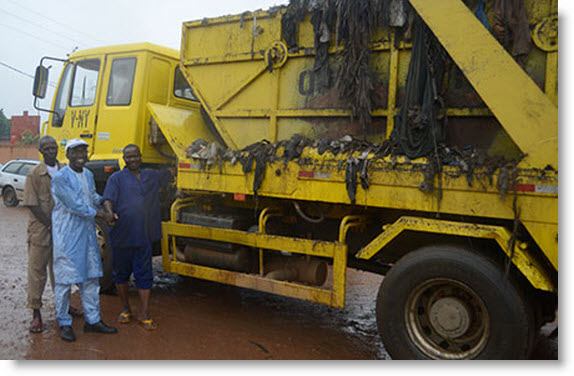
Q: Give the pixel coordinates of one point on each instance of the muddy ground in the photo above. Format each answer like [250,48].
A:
[197,319]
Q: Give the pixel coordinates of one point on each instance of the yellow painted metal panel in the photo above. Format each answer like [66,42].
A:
[526,264]
[120,124]
[546,236]
[127,48]
[552,77]
[178,124]
[158,83]
[393,186]
[525,112]
[230,35]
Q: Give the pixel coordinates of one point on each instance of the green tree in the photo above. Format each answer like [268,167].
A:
[5,124]
[28,138]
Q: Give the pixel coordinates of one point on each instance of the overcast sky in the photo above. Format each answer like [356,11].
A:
[30,29]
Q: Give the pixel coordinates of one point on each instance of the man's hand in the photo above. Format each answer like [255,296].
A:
[109,210]
[114,219]
[110,218]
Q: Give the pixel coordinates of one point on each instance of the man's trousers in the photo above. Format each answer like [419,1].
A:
[90,294]
[39,265]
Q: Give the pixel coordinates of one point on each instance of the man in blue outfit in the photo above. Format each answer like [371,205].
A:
[132,194]
[77,257]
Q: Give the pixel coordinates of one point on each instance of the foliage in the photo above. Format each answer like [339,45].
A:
[28,138]
[5,124]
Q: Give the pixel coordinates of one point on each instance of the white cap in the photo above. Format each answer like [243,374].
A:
[75,142]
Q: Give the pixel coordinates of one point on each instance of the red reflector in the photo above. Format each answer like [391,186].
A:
[109,169]
[306,174]
[239,197]
[184,165]
[525,187]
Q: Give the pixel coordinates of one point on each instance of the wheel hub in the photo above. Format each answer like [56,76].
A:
[450,317]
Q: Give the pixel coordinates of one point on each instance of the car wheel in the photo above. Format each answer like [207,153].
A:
[9,197]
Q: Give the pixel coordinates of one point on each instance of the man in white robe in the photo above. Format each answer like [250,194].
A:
[77,259]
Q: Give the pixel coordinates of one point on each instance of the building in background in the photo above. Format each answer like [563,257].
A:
[21,124]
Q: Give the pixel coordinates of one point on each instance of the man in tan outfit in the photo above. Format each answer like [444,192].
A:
[38,198]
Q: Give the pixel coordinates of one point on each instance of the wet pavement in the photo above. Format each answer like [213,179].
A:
[196,319]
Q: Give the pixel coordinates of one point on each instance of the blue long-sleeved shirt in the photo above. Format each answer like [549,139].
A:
[136,201]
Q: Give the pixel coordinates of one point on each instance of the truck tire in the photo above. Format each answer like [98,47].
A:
[9,197]
[106,281]
[450,303]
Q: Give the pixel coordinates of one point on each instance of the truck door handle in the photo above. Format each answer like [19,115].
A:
[86,135]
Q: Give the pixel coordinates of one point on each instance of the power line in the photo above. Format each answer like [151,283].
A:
[22,73]
[35,37]
[55,21]
[16,70]
[39,26]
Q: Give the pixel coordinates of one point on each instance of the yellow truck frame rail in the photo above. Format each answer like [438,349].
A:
[527,265]
[337,251]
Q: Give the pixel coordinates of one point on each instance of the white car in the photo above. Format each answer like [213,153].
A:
[13,179]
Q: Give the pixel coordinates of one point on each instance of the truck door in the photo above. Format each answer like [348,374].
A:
[119,107]
[76,103]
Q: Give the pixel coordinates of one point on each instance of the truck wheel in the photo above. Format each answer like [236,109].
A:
[450,303]
[106,282]
[9,197]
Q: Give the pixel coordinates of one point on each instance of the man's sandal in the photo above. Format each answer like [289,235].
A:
[148,324]
[125,318]
[36,328]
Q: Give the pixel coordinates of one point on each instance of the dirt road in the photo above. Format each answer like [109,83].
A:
[197,319]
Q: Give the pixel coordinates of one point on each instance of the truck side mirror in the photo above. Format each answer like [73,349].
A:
[41,82]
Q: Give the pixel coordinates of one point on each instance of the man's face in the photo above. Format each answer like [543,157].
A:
[49,150]
[133,159]
[78,157]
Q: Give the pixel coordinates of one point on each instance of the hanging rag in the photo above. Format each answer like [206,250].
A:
[418,129]
[511,29]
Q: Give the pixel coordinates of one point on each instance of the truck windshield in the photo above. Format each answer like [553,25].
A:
[62,96]
[85,83]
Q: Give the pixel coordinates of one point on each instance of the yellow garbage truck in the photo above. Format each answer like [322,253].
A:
[414,139]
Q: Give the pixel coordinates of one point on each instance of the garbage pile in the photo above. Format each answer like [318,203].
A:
[354,155]
[419,126]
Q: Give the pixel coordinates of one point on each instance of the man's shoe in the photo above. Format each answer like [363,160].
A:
[99,327]
[67,333]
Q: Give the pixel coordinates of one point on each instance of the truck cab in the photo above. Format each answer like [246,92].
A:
[103,97]
[106,96]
